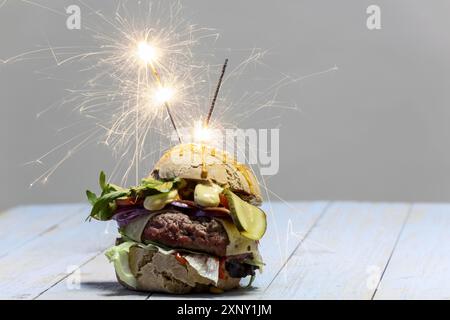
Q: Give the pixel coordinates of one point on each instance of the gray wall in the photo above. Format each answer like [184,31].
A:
[377,129]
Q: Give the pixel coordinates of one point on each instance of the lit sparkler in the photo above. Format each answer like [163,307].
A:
[216,93]
[132,46]
[148,53]
[141,64]
[202,132]
[138,66]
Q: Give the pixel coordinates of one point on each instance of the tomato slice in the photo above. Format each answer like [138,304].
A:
[222,268]
[128,202]
[180,259]
[223,201]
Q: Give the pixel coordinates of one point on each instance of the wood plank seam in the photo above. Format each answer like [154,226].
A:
[324,210]
[49,229]
[37,235]
[53,288]
[40,234]
[420,265]
[52,227]
[66,276]
[309,217]
[393,249]
[73,216]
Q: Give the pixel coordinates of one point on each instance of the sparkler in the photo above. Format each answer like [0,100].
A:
[115,99]
[148,53]
[216,93]
[112,88]
[139,65]
[202,133]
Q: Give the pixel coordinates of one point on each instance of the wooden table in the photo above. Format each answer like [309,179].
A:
[314,250]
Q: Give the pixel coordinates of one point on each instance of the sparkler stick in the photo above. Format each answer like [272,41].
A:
[213,102]
[203,132]
[157,77]
[148,54]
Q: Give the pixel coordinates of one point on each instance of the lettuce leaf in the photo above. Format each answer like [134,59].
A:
[104,206]
[250,282]
[153,184]
[92,197]
[206,267]
[255,262]
[119,256]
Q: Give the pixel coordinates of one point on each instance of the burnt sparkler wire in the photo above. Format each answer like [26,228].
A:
[157,78]
[216,93]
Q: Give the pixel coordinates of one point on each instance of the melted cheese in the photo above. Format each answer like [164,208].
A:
[238,243]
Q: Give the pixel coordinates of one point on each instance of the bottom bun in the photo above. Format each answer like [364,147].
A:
[157,272]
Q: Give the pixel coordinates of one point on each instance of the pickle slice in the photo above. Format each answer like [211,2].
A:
[249,220]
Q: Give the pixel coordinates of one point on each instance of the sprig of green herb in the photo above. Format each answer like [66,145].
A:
[104,206]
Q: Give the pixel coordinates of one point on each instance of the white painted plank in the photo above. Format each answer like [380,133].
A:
[97,283]
[344,255]
[29,222]
[420,265]
[287,225]
[95,280]
[38,264]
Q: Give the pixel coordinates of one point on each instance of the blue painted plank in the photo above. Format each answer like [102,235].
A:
[420,266]
[344,255]
[288,223]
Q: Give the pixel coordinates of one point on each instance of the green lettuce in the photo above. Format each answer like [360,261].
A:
[104,206]
[119,256]
[205,266]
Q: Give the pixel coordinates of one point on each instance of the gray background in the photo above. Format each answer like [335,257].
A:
[377,129]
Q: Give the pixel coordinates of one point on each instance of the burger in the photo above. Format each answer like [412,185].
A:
[192,225]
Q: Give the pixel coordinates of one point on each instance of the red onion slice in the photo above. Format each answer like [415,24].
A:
[124,217]
[180,204]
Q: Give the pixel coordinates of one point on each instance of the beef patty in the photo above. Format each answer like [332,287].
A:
[179,230]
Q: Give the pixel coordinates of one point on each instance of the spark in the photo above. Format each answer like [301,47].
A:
[140,70]
[141,60]
[202,134]
[163,95]
[146,52]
